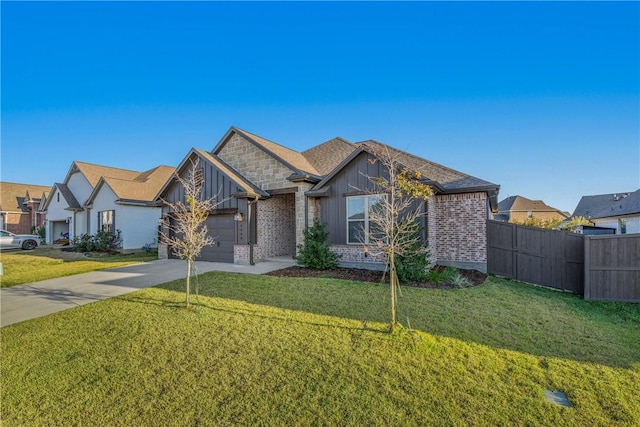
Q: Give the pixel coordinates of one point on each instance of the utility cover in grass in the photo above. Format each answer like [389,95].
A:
[557,397]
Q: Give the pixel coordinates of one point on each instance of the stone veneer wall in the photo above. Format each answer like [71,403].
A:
[268,174]
[254,164]
[277,225]
[460,228]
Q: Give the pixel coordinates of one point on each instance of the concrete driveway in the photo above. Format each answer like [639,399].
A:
[24,302]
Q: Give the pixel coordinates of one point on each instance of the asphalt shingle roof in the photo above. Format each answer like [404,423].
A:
[93,172]
[68,196]
[593,206]
[449,179]
[12,194]
[522,204]
[326,156]
[626,204]
[143,187]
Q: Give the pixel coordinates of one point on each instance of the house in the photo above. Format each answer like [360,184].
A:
[20,206]
[269,194]
[520,209]
[96,198]
[620,211]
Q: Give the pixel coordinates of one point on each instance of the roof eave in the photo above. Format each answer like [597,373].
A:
[250,195]
[304,177]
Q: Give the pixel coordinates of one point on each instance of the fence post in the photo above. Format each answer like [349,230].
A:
[587,268]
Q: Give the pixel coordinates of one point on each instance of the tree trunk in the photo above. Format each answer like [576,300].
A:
[188,280]
[392,282]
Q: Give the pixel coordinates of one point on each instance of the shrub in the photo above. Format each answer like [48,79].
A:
[414,266]
[459,281]
[315,252]
[102,241]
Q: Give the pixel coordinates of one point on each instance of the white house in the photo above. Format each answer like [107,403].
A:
[620,211]
[94,197]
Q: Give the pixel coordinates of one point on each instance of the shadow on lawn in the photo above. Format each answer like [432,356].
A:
[356,332]
[511,316]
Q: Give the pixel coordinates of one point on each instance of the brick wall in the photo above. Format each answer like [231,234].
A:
[460,228]
[358,256]
[276,222]
[242,254]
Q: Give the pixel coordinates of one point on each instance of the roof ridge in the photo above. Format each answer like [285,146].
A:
[103,166]
[339,138]
[268,140]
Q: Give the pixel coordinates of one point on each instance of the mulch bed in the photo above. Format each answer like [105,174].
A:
[475,277]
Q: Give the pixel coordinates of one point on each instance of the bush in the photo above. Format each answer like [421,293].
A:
[315,252]
[414,266]
[102,241]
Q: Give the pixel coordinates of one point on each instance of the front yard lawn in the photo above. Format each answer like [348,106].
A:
[258,350]
[45,263]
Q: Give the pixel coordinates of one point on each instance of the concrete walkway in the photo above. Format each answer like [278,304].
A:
[24,302]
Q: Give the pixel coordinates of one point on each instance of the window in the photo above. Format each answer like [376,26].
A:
[358,209]
[106,221]
[622,223]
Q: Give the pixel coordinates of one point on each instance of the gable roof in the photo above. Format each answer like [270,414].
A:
[290,158]
[326,156]
[244,184]
[593,206]
[451,180]
[70,199]
[622,204]
[94,172]
[522,204]
[444,180]
[13,194]
[144,187]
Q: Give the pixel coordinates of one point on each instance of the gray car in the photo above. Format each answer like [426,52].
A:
[24,241]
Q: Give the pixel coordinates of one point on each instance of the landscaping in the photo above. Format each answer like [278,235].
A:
[293,351]
[49,263]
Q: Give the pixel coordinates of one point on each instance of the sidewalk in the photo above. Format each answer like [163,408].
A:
[24,302]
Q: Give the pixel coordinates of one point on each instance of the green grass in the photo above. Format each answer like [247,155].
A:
[33,266]
[273,351]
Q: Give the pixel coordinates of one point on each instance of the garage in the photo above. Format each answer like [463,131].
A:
[59,230]
[223,230]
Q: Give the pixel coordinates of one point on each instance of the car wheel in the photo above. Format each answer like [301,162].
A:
[29,244]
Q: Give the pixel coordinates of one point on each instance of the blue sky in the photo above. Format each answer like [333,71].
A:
[542,98]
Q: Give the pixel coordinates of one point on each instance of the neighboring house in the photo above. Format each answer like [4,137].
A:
[620,211]
[269,194]
[20,206]
[520,209]
[94,197]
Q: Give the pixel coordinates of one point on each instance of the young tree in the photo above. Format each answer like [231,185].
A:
[188,233]
[394,227]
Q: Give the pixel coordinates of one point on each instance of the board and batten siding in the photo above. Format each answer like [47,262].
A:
[222,187]
[352,180]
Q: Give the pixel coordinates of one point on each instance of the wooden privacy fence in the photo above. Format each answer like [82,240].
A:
[545,257]
[612,268]
[603,267]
